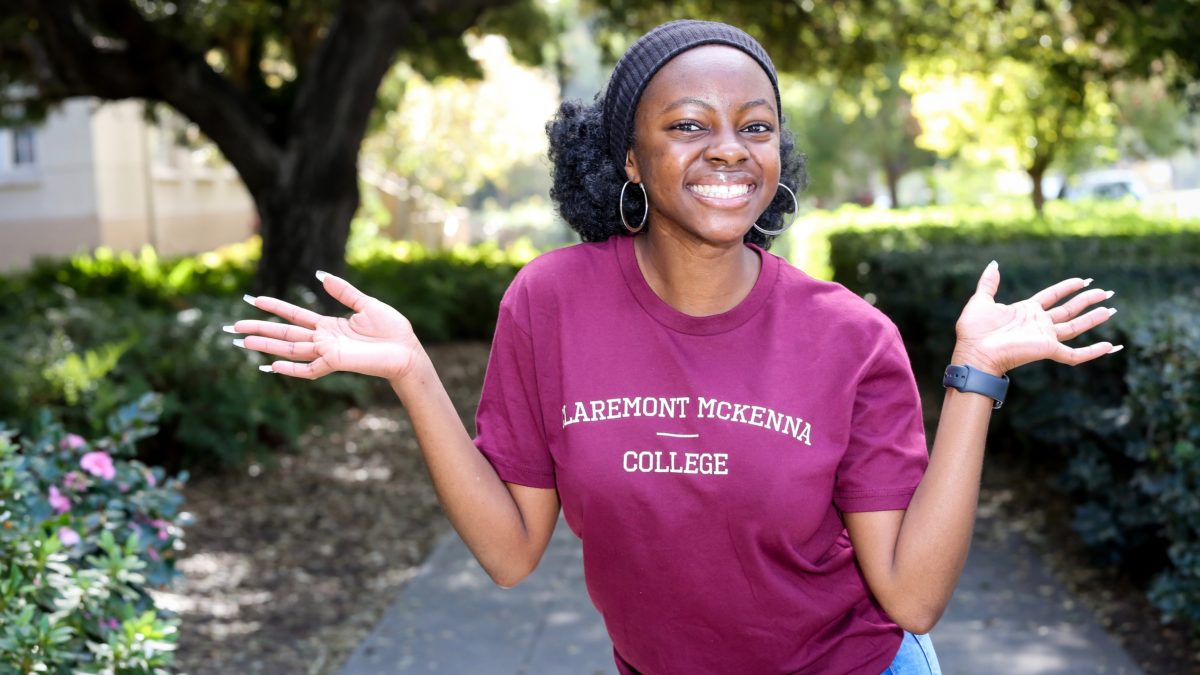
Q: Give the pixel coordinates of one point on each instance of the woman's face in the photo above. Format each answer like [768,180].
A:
[706,145]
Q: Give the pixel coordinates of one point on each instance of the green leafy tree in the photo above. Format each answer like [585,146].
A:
[1148,38]
[1017,114]
[285,89]
[441,138]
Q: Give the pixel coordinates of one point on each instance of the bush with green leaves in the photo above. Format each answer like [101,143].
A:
[79,336]
[1136,473]
[1117,434]
[85,530]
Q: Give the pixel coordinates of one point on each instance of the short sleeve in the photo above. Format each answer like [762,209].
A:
[508,422]
[886,455]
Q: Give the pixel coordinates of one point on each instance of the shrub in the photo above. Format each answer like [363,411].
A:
[1140,495]
[80,336]
[85,531]
[1119,434]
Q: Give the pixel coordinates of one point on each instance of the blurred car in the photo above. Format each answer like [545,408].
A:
[1106,184]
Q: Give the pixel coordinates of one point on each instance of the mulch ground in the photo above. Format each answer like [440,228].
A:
[288,567]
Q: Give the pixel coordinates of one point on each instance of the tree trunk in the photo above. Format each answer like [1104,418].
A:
[304,229]
[893,183]
[1039,198]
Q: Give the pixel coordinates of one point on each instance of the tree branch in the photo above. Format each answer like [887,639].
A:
[71,59]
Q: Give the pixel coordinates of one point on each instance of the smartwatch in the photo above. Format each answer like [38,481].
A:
[969,379]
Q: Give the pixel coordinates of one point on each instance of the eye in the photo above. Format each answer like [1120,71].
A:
[687,126]
[758,128]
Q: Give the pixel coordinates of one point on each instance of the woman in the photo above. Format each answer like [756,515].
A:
[739,446]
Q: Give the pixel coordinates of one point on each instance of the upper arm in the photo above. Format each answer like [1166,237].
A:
[539,511]
[874,534]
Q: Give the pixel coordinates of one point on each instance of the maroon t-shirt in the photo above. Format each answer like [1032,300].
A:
[702,461]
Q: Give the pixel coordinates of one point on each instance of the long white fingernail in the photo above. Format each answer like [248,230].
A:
[994,264]
[1116,349]
[239,343]
[228,329]
[249,298]
[1112,310]
[1109,294]
[266,369]
[321,276]
[1088,282]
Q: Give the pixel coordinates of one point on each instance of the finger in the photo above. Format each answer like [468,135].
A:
[1074,356]
[271,329]
[1077,304]
[343,292]
[1079,325]
[307,371]
[285,310]
[989,281]
[1049,297]
[301,351]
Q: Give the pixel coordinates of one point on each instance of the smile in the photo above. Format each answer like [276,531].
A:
[722,191]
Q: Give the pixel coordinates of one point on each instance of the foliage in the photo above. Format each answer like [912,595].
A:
[86,531]
[1014,114]
[852,130]
[439,138]
[83,335]
[1117,433]
[1148,39]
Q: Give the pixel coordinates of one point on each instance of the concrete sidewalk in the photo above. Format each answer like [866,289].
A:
[1008,616]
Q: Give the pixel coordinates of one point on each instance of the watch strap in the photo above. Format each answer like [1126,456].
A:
[967,378]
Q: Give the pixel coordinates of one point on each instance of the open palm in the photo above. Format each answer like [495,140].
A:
[1001,337]
[375,340]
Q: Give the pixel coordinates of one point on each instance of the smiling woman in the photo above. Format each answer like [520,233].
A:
[739,446]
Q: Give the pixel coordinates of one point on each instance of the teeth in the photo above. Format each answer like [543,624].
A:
[720,191]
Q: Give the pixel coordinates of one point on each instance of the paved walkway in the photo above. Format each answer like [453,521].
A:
[1008,616]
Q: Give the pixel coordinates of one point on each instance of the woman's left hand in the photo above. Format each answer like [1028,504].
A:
[996,338]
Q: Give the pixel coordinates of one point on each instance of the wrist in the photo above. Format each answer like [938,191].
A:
[964,355]
[417,370]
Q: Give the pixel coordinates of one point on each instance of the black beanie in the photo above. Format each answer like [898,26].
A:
[650,53]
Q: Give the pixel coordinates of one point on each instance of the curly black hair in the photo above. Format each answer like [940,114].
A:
[586,183]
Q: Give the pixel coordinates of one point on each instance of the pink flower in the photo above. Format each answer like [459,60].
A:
[150,479]
[123,487]
[99,464]
[75,481]
[152,553]
[162,528]
[58,502]
[72,441]
[113,624]
[68,536]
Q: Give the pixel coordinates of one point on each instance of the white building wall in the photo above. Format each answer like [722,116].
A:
[104,177]
[50,208]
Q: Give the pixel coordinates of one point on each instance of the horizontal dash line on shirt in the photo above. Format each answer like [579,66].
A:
[663,433]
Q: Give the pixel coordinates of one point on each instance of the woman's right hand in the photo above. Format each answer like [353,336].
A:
[375,340]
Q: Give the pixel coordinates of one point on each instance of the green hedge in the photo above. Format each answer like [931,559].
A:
[82,335]
[1117,434]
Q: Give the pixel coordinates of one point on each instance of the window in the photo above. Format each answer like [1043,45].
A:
[22,147]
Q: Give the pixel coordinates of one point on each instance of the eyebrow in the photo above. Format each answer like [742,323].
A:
[705,104]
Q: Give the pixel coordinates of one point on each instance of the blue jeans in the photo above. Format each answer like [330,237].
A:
[916,657]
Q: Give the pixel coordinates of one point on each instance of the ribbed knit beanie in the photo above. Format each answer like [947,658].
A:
[650,53]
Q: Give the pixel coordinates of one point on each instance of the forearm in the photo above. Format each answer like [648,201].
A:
[935,534]
[474,498]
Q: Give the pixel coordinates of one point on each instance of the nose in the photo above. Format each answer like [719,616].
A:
[726,147]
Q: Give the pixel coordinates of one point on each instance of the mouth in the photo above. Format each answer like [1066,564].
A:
[725,194]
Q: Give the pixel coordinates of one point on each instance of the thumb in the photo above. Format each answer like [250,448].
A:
[989,281]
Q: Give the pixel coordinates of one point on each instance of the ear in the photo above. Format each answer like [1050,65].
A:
[631,169]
